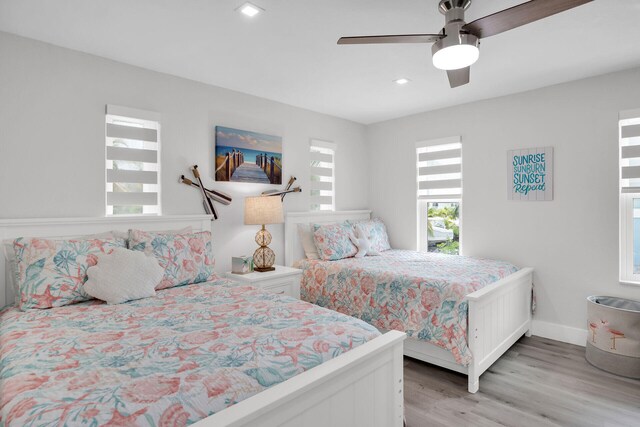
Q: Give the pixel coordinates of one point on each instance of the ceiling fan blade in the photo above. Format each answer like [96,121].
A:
[404,38]
[519,15]
[459,77]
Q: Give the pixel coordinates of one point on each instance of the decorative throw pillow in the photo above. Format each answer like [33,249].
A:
[51,273]
[123,275]
[185,230]
[306,238]
[12,264]
[333,241]
[363,243]
[10,256]
[376,230]
[185,258]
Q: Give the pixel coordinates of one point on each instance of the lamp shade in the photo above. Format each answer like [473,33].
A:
[263,210]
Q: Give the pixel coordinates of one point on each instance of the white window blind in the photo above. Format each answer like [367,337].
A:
[629,175]
[322,175]
[630,155]
[132,161]
[439,164]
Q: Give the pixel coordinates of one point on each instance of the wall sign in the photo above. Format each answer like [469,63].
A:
[530,174]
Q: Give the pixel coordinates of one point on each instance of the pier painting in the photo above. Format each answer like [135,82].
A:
[245,156]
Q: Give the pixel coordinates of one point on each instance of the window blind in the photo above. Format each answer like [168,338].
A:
[132,161]
[322,175]
[630,155]
[439,169]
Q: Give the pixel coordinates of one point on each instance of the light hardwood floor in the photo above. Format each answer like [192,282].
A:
[538,382]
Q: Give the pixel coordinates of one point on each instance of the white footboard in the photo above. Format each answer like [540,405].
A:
[363,387]
[499,314]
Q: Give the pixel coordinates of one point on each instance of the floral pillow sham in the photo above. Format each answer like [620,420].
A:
[185,258]
[52,273]
[376,231]
[334,241]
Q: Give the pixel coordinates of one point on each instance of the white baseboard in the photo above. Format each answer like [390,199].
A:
[557,332]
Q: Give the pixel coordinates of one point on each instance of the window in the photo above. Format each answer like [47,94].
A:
[629,127]
[132,166]
[439,176]
[322,179]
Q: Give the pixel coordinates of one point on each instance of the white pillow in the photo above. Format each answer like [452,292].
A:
[123,275]
[306,238]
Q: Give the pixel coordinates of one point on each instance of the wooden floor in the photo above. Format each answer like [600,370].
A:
[538,382]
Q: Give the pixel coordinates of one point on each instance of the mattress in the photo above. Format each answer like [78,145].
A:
[173,359]
[419,293]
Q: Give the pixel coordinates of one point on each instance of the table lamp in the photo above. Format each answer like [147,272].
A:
[263,210]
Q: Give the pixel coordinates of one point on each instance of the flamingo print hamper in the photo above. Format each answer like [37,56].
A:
[613,344]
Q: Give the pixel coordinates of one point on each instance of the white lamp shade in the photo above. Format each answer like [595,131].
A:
[263,210]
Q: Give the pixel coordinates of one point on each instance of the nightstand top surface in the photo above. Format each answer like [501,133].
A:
[256,276]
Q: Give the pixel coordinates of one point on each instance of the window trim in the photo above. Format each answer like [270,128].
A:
[626,208]
[626,244]
[423,237]
[422,244]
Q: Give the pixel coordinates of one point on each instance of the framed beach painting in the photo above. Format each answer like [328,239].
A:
[245,156]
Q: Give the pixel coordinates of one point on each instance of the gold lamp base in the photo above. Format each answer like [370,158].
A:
[263,257]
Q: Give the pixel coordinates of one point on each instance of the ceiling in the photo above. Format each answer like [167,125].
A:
[289,52]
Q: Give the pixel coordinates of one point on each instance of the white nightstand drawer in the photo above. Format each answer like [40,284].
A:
[282,289]
[283,280]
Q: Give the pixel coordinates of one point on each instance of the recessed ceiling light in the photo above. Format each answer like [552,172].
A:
[401,81]
[249,9]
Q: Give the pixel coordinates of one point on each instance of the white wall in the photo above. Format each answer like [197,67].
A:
[52,103]
[572,242]
[52,158]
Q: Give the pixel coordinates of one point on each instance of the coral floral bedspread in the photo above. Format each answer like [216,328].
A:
[419,293]
[169,360]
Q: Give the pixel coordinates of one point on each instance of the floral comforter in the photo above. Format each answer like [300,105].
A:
[419,293]
[169,360]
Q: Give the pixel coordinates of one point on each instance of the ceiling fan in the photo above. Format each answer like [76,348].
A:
[455,47]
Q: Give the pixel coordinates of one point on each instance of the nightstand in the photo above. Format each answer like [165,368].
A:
[283,280]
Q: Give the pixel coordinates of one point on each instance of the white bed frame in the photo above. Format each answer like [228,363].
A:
[499,314]
[363,387]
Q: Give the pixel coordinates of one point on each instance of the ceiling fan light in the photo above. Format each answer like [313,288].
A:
[453,53]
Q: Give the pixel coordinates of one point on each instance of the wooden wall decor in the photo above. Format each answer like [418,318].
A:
[286,190]
[208,196]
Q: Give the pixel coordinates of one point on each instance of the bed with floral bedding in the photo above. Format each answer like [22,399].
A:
[419,293]
[169,360]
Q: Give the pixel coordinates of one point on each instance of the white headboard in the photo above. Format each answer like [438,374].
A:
[73,227]
[292,247]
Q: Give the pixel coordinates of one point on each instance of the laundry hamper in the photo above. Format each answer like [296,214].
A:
[613,344]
